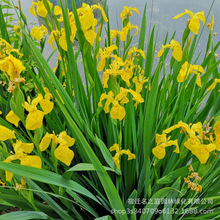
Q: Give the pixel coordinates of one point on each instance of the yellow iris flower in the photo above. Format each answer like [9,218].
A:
[125,30]
[194,24]
[139,82]
[201,151]
[163,142]
[115,70]
[12,67]
[60,36]
[117,111]
[21,150]
[35,117]
[58,12]
[40,8]
[195,142]
[188,69]
[62,152]
[6,134]
[119,152]
[105,54]
[39,32]
[127,11]
[134,51]
[175,46]
[113,34]
[12,118]
[88,21]
[213,85]
[118,67]
[8,48]
[54,34]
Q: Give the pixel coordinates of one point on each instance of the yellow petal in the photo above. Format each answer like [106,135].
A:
[137,96]
[210,147]
[212,24]
[175,143]
[12,118]
[161,138]
[34,120]
[179,15]
[57,10]
[90,36]
[194,25]
[2,183]
[159,152]
[212,86]
[64,137]
[31,161]
[41,9]
[103,96]
[8,176]
[102,11]
[118,112]
[201,16]
[197,127]
[32,10]
[62,40]
[64,154]
[130,155]
[6,134]
[46,105]
[136,10]
[24,147]
[12,66]
[198,80]
[203,157]
[114,147]
[177,51]
[217,128]
[117,162]
[45,142]
[37,33]
[105,79]
[160,53]
[44,29]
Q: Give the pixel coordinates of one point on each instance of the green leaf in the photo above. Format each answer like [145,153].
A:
[149,55]
[168,206]
[147,215]
[3,28]
[23,215]
[106,154]
[149,119]
[46,176]
[82,203]
[67,109]
[142,35]
[107,217]
[177,173]
[86,167]
[60,211]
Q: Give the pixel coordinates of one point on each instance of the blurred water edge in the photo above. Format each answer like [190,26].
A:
[162,12]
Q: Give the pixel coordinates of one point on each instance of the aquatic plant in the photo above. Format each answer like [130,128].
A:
[140,142]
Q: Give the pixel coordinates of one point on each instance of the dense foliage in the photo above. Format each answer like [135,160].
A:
[140,142]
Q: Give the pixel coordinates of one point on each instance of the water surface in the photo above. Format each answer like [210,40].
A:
[159,13]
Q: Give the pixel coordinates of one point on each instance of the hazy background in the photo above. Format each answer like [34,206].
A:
[159,13]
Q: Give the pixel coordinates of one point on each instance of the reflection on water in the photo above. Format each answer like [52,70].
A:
[159,13]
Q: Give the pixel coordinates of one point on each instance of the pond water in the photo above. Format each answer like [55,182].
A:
[159,13]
